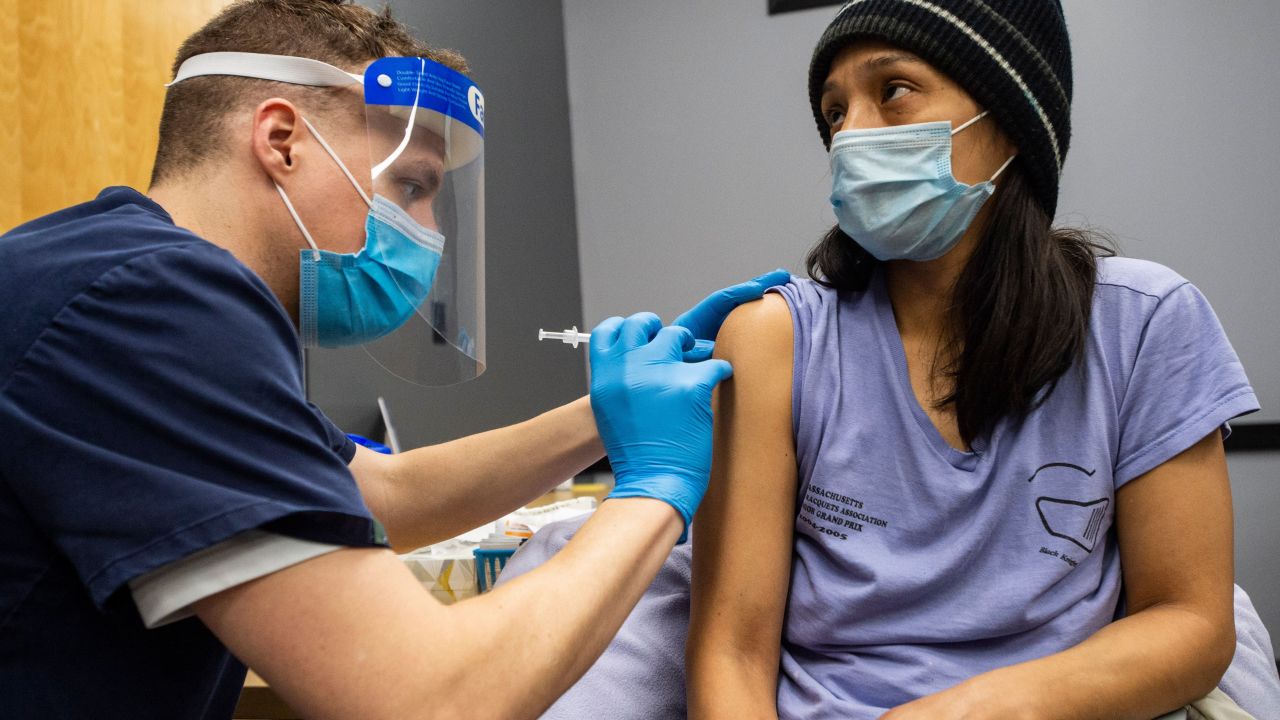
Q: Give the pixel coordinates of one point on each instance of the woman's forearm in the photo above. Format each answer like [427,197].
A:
[1179,636]
[730,685]
[1150,663]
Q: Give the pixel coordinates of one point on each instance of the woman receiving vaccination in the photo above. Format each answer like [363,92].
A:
[974,469]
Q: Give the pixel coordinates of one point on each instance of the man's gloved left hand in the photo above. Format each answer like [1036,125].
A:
[705,318]
[653,409]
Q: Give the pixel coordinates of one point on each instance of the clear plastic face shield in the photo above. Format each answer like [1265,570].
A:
[413,297]
[426,142]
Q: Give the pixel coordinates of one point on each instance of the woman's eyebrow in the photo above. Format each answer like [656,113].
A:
[883,61]
[879,62]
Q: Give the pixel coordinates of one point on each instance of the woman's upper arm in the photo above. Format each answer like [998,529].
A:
[743,530]
[1174,529]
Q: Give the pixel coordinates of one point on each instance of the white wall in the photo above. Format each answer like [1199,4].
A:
[696,163]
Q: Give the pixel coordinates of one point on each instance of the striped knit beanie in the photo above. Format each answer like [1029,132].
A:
[1012,56]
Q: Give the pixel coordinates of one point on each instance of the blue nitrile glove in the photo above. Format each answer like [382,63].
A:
[705,318]
[653,409]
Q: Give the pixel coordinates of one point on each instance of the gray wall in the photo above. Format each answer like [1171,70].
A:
[695,159]
[1255,491]
[1175,152]
[697,164]
[516,51]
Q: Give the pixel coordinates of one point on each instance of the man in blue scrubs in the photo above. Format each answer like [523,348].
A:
[171,506]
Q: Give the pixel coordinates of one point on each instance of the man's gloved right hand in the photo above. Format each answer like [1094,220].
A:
[653,410]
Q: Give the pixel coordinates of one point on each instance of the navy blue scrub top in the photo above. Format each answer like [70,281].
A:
[151,405]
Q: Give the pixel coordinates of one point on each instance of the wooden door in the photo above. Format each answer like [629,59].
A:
[81,87]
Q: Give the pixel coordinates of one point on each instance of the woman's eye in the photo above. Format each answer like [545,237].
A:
[835,118]
[893,92]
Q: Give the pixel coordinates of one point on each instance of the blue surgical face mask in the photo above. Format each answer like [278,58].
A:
[355,298]
[893,191]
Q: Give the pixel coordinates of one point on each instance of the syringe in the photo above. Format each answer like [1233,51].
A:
[568,337]
[574,338]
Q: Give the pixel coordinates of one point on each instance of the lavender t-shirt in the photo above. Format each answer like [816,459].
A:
[917,565]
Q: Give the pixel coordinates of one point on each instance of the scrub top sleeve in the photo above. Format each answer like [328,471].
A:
[162,412]
[338,440]
[168,594]
[1186,382]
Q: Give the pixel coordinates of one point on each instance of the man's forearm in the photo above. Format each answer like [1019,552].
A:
[434,493]
[352,635]
[535,636]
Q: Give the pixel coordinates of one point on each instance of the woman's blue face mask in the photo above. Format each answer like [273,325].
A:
[355,298]
[893,191]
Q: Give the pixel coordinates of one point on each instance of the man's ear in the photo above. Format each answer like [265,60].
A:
[277,130]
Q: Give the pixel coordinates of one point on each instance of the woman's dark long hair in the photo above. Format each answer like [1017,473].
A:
[1019,310]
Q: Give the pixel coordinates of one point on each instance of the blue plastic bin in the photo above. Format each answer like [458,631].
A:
[489,562]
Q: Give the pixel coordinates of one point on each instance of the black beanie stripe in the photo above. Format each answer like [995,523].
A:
[1031,51]
[1012,56]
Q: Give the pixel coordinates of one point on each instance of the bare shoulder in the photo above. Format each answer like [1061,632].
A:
[759,330]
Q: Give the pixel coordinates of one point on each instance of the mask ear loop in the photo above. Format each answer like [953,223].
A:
[1003,167]
[1007,163]
[979,116]
[315,249]
[341,165]
[408,128]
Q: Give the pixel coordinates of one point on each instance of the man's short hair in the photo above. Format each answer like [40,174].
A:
[192,124]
